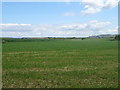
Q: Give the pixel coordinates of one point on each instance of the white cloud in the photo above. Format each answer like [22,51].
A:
[68,14]
[111,3]
[93,27]
[90,10]
[114,31]
[94,24]
[92,6]
[16,27]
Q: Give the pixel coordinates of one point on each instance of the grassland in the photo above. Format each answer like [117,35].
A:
[69,63]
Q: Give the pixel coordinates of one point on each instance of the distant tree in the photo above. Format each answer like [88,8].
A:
[48,37]
[82,38]
[117,37]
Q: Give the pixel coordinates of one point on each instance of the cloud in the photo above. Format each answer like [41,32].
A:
[90,10]
[94,24]
[93,27]
[68,14]
[92,6]
[16,27]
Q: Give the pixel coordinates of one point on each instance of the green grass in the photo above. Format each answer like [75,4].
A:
[89,63]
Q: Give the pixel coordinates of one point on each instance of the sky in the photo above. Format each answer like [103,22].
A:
[59,19]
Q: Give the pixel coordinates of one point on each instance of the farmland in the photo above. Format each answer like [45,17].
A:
[58,63]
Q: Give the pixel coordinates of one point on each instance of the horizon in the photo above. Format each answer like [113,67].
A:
[61,36]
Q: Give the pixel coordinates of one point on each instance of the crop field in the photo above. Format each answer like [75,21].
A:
[60,63]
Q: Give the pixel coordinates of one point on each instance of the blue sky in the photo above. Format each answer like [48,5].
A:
[70,18]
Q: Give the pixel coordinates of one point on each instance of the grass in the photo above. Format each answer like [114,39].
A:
[89,63]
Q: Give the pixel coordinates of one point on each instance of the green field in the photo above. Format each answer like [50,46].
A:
[68,63]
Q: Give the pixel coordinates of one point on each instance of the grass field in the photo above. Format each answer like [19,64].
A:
[69,63]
